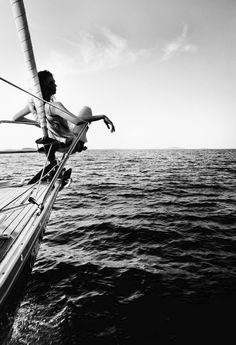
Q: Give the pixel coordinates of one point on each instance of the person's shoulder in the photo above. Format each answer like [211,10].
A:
[52,108]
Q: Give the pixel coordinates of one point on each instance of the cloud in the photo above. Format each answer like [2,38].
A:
[91,53]
[180,45]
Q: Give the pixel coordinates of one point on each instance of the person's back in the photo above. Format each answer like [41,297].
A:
[58,128]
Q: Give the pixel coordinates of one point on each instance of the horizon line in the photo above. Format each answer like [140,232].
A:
[33,150]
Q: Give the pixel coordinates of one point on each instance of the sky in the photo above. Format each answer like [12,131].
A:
[164,71]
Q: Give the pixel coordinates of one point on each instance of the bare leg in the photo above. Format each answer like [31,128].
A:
[84,114]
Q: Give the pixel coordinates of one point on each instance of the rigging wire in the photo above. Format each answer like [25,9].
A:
[17,197]
[4,209]
[66,156]
[39,98]
[14,207]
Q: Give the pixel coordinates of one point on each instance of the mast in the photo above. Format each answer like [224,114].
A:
[19,14]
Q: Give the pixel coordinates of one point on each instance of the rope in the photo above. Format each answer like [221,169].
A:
[17,197]
[14,207]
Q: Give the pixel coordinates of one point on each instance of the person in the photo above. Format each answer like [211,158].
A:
[61,123]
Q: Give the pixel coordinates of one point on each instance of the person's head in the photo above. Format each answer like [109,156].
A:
[47,84]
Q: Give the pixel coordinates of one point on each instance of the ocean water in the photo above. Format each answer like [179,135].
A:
[140,249]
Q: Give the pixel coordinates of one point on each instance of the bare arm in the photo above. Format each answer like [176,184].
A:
[21,115]
[106,119]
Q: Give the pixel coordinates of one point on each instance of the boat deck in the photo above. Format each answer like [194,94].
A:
[22,224]
[16,212]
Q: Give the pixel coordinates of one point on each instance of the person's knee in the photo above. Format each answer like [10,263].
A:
[86,111]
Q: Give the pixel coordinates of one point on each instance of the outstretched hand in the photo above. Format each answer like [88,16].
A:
[109,124]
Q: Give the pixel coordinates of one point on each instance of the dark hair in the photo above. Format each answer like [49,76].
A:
[46,91]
